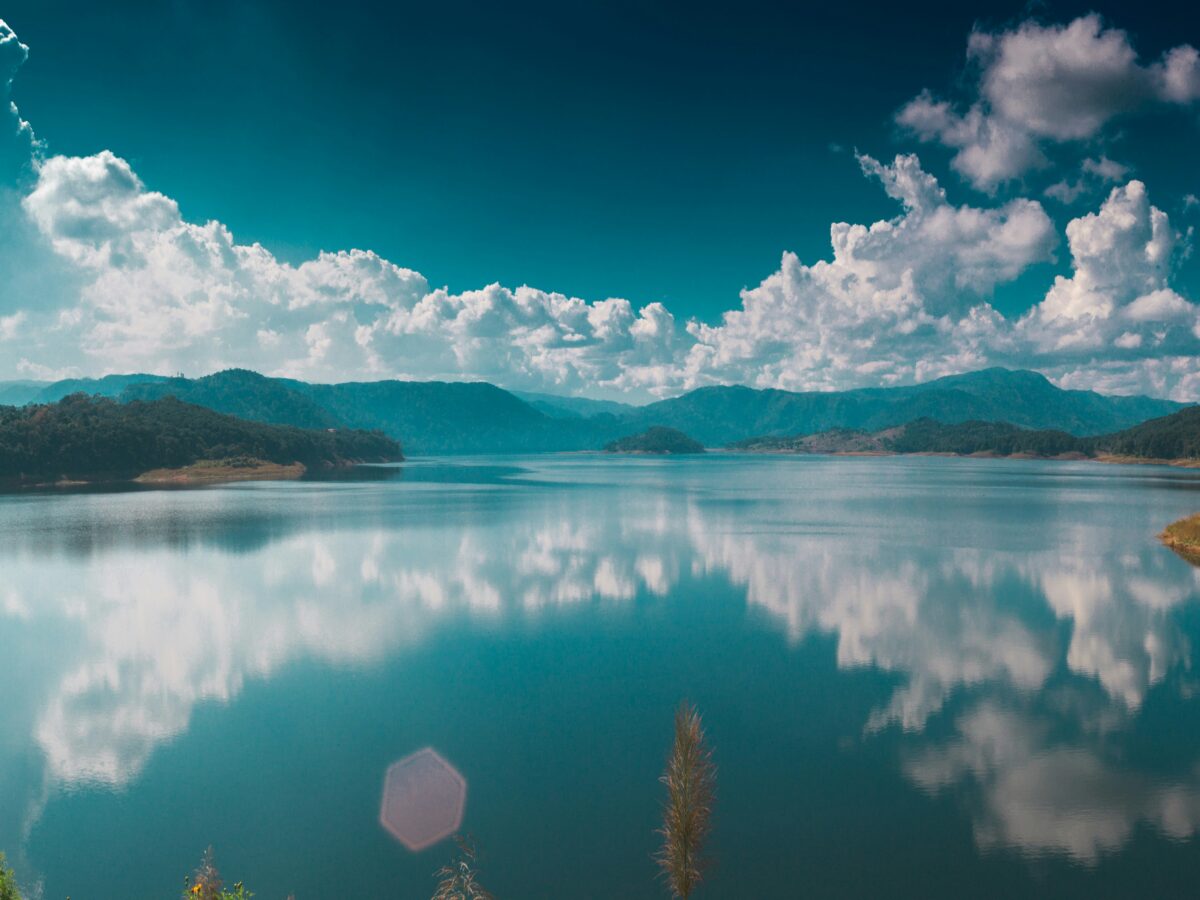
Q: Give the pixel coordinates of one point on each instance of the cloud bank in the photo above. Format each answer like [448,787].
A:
[104,274]
[1039,85]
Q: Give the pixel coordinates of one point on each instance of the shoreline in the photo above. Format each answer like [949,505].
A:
[200,473]
[1183,537]
[213,472]
[210,473]
[1105,458]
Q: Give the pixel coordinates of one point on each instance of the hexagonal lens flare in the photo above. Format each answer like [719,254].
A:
[423,799]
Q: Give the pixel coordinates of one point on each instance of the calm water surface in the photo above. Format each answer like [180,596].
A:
[922,678]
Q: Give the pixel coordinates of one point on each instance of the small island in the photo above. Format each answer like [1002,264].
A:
[84,439]
[658,440]
[1184,538]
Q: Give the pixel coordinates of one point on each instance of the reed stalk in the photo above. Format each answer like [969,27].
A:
[687,814]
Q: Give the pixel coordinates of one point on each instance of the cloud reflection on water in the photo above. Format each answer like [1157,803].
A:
[162,630]
[1046,795]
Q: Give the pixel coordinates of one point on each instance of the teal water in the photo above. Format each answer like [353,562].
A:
[928,678]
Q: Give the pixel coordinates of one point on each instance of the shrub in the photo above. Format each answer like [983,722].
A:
[8,882]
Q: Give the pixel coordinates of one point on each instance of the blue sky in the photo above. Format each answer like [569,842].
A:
[658,153]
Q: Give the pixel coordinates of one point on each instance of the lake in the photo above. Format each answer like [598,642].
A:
[928,678]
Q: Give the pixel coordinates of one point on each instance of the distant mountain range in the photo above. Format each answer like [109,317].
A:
[721,415]
[476,417]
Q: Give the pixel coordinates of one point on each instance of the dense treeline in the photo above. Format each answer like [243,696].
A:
[238,392]
[929,436]
[91,437]
[1176,436]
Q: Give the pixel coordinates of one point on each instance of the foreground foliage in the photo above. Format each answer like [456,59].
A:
[687,815]
[206,884]
[458,880]
[91,437]
[8,882]
[690,779]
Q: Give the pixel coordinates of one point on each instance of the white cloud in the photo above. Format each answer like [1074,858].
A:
[162,294]
[1093,172]
[104,274]
[10,326]
[1105,169]
[1046,83]
[1117,311]
[901,299]
[16,135]
[990,150]
[1178,75]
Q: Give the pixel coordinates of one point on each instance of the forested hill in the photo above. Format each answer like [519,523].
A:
[428,416]
[656,440]
[1173,437]
[1170,437]
[88,438]
[241,393]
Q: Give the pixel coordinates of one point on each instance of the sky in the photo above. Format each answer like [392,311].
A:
[622,200]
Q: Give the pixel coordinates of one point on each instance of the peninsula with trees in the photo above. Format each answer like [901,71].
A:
[95,439]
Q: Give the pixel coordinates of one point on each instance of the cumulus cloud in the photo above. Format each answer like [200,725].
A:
[103,273]
[901,299]
[1117,312]
[906,299]
[162,293]
[1039,84]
